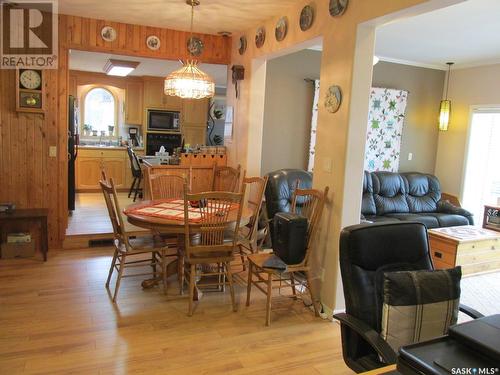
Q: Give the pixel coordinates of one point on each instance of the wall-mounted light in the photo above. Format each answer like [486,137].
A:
[120,68]
[445,106]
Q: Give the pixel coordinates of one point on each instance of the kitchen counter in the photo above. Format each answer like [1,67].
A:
[90,147]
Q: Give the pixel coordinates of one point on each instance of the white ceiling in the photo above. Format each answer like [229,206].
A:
[467,33]
[210,17]
[94,62]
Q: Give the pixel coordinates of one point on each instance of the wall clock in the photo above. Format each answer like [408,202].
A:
[29,90]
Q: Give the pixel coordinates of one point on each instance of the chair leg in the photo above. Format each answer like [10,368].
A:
[153,262]
[249,282]
[181,274]
[269,295]
[137,188]
[111,268]
[192,285]
[242,257]
[132,187]
[292,281]
[119,277]
[164,270]
[312,293]
[231,286]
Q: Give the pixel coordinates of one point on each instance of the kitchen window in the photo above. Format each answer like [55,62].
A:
[100,112]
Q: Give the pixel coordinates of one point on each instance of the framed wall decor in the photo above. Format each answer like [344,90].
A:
[338,7]
[260,37]
[281,29]
[195,46]
[333,99]
[306,18]
[153,42]
[242,46]
[108,33]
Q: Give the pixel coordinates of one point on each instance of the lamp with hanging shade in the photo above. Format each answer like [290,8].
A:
[445,106]
[190,82]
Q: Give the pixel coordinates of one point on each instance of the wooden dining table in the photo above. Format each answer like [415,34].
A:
[163,225]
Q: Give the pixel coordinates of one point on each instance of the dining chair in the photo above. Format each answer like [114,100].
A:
[248,233]
[308,203]
[127,246]
[225,178]
[163,186]
[136,170]
[205,242]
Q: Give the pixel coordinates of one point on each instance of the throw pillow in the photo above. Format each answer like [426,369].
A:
[419,305]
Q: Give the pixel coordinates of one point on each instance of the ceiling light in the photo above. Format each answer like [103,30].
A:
[120,68]
[445,105]
[190,82]
[375,60]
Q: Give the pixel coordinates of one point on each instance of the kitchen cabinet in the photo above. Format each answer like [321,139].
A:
[154,96]
[195,111]
[91,161]
[133,103]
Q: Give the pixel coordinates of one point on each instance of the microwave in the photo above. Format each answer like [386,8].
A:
[163,121]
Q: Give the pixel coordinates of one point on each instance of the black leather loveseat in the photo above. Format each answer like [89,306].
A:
[412,196]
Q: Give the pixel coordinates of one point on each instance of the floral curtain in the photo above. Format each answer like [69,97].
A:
[385,128]
[314,125]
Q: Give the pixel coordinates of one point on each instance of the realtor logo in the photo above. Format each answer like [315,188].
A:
[28,34]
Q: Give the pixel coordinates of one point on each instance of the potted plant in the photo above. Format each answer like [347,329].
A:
[111,130]
[87,129]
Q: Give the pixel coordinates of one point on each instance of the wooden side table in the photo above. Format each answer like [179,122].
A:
[491,211]
[26,215]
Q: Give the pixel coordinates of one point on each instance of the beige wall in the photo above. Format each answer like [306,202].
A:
[468,87]
[340,146]
[420,132]
[287,110]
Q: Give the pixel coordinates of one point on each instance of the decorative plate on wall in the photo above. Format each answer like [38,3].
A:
[195,46]
[242,47]
[281,29]
[108,33]
[260,37]
[338,7]
[333,99]
[306,17]
[153,42]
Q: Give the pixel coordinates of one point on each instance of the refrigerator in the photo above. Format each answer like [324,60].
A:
[72,150]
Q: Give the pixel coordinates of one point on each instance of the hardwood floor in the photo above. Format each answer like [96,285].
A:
[90,220]
[57,318]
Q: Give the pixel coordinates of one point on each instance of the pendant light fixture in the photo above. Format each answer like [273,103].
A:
[445,106]
[190,82]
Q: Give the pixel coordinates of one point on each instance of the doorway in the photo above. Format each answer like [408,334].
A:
[109,113]
[482,175]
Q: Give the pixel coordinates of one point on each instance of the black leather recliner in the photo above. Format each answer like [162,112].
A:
[366,251]
[392,197]
[280,188]
[279,191]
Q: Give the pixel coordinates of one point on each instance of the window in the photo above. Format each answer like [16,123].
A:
[482,174]
[100,110]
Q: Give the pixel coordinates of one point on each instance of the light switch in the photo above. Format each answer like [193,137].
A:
[410,156]
[327,165]
[53,151]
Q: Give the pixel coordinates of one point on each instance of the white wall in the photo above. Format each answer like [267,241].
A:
[468,87]
[287,110]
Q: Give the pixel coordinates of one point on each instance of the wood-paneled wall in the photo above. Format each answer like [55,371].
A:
[28,176]
[85,34]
